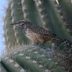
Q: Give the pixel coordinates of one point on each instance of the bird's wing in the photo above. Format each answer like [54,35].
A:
[42,31]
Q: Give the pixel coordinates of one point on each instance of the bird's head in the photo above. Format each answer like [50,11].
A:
[22,24]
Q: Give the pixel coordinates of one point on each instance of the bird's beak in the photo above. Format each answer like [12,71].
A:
[16,23]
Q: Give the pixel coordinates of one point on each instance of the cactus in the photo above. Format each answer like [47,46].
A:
[32,59]
[56,16]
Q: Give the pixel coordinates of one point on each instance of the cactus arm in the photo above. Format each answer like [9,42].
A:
[58,25]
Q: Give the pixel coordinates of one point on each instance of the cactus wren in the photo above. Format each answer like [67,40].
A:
[35,33]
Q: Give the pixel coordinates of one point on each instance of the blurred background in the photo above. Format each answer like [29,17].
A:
[3,7]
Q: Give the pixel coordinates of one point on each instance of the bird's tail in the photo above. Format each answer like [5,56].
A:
[59,40]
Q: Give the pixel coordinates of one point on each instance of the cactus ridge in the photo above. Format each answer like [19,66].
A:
[63,17]
[31,60]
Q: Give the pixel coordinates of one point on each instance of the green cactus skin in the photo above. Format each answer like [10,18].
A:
[50,15]
[32,60]
[2,68]
[9,32]
[58,25]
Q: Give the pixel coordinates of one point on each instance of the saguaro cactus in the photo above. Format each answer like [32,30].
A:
[54,15]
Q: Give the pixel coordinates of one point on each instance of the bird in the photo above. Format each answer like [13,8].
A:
[35,33]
